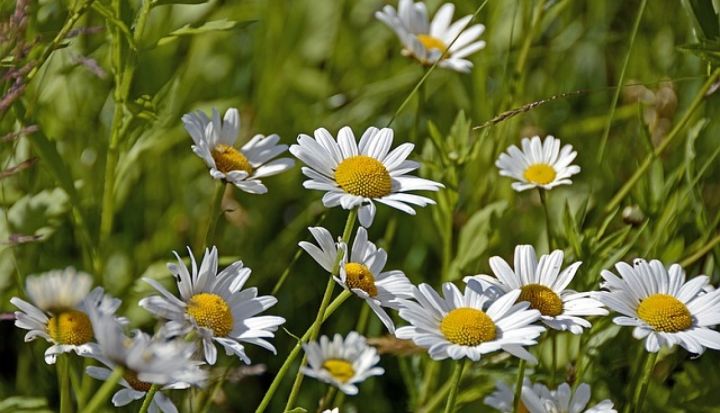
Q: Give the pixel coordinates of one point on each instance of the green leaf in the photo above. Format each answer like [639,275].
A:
[169,2]
[20,404]
[211,26]
[474,237]
[704,17]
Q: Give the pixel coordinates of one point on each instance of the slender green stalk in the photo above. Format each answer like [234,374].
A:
[430,70]
[641,385]
[362,321]
[553,376]
[296,350]
[149,398]
[103,394]
[630,183]
[74,17]
[701,252]
[315,329]
[215,214]
[329,396]
[431,371]
[519,70]
[63,369]
[339,400]
[518,386]
[434,402]
[210,396]
[621,81]
[455,384]
[548,226]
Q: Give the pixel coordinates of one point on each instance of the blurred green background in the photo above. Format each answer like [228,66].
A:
[296,65]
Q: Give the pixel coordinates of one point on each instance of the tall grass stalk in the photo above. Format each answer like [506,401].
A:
[454,385]
[517,400]
[103,394]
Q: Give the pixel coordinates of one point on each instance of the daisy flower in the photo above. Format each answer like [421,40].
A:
[57,311]
[662,307]
[145,361]
[362,271]
[356,175]
[539,164]
[342,362]
[469,324]
[543,285]
[215,306]
[214,140]
[429,41]
[538,398]
[335,410]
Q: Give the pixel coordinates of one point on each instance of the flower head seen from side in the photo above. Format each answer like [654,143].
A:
[539,164]
[359,174]
[58,310]
[361,271]
[537,398]
[342,362]
[470,323]
[216,306]
[429,41]
[213,142]
[145,361]
[662,307]
[544,286]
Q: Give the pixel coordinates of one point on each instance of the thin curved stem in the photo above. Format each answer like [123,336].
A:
[103,394]
[548,231]
[455,380]
[215,214]
[644,382]
[149,396]
[518,386]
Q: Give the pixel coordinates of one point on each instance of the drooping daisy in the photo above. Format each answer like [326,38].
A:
[539,164]
[214,140]
[342,362]
[57,311]
[664,309]
[145,361]
[429,41]
[469,324]
[215,306]
[538,398]
[357,175]
[543,285]
[362,272]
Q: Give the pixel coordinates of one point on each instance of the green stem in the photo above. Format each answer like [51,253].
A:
[455,384]
[149,396]
[211,395]
[621,81]
[553,376]
[215,213]
[296,350]
[325,402]
[519,70]
[74,17]
[548,226]
[434,402]
[701,252]
[63,368]
[428,383]
[642,384]
[363,319]
[430,70]
[630,183]
[518,386]
[103,394]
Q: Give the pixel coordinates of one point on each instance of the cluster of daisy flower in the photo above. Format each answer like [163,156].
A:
[507,311]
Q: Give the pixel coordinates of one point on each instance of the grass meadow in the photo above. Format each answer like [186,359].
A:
[98,174]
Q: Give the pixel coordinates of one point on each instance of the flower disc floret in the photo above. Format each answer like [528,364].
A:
[131,378]
[211,311]
[364,176]
[360,276]
[70,327]
[468,327]
[665,313]
[342,370]
[542,299]
[229,159]
[540,173]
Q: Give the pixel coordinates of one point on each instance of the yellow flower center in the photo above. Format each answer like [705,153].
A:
[137,384]
[359,276]
[229,159]
[363,176]
[542,299]
[468,327]
[70,327]
[540,173]
[342,370]
[665,313]
[211,311]
[432,43]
